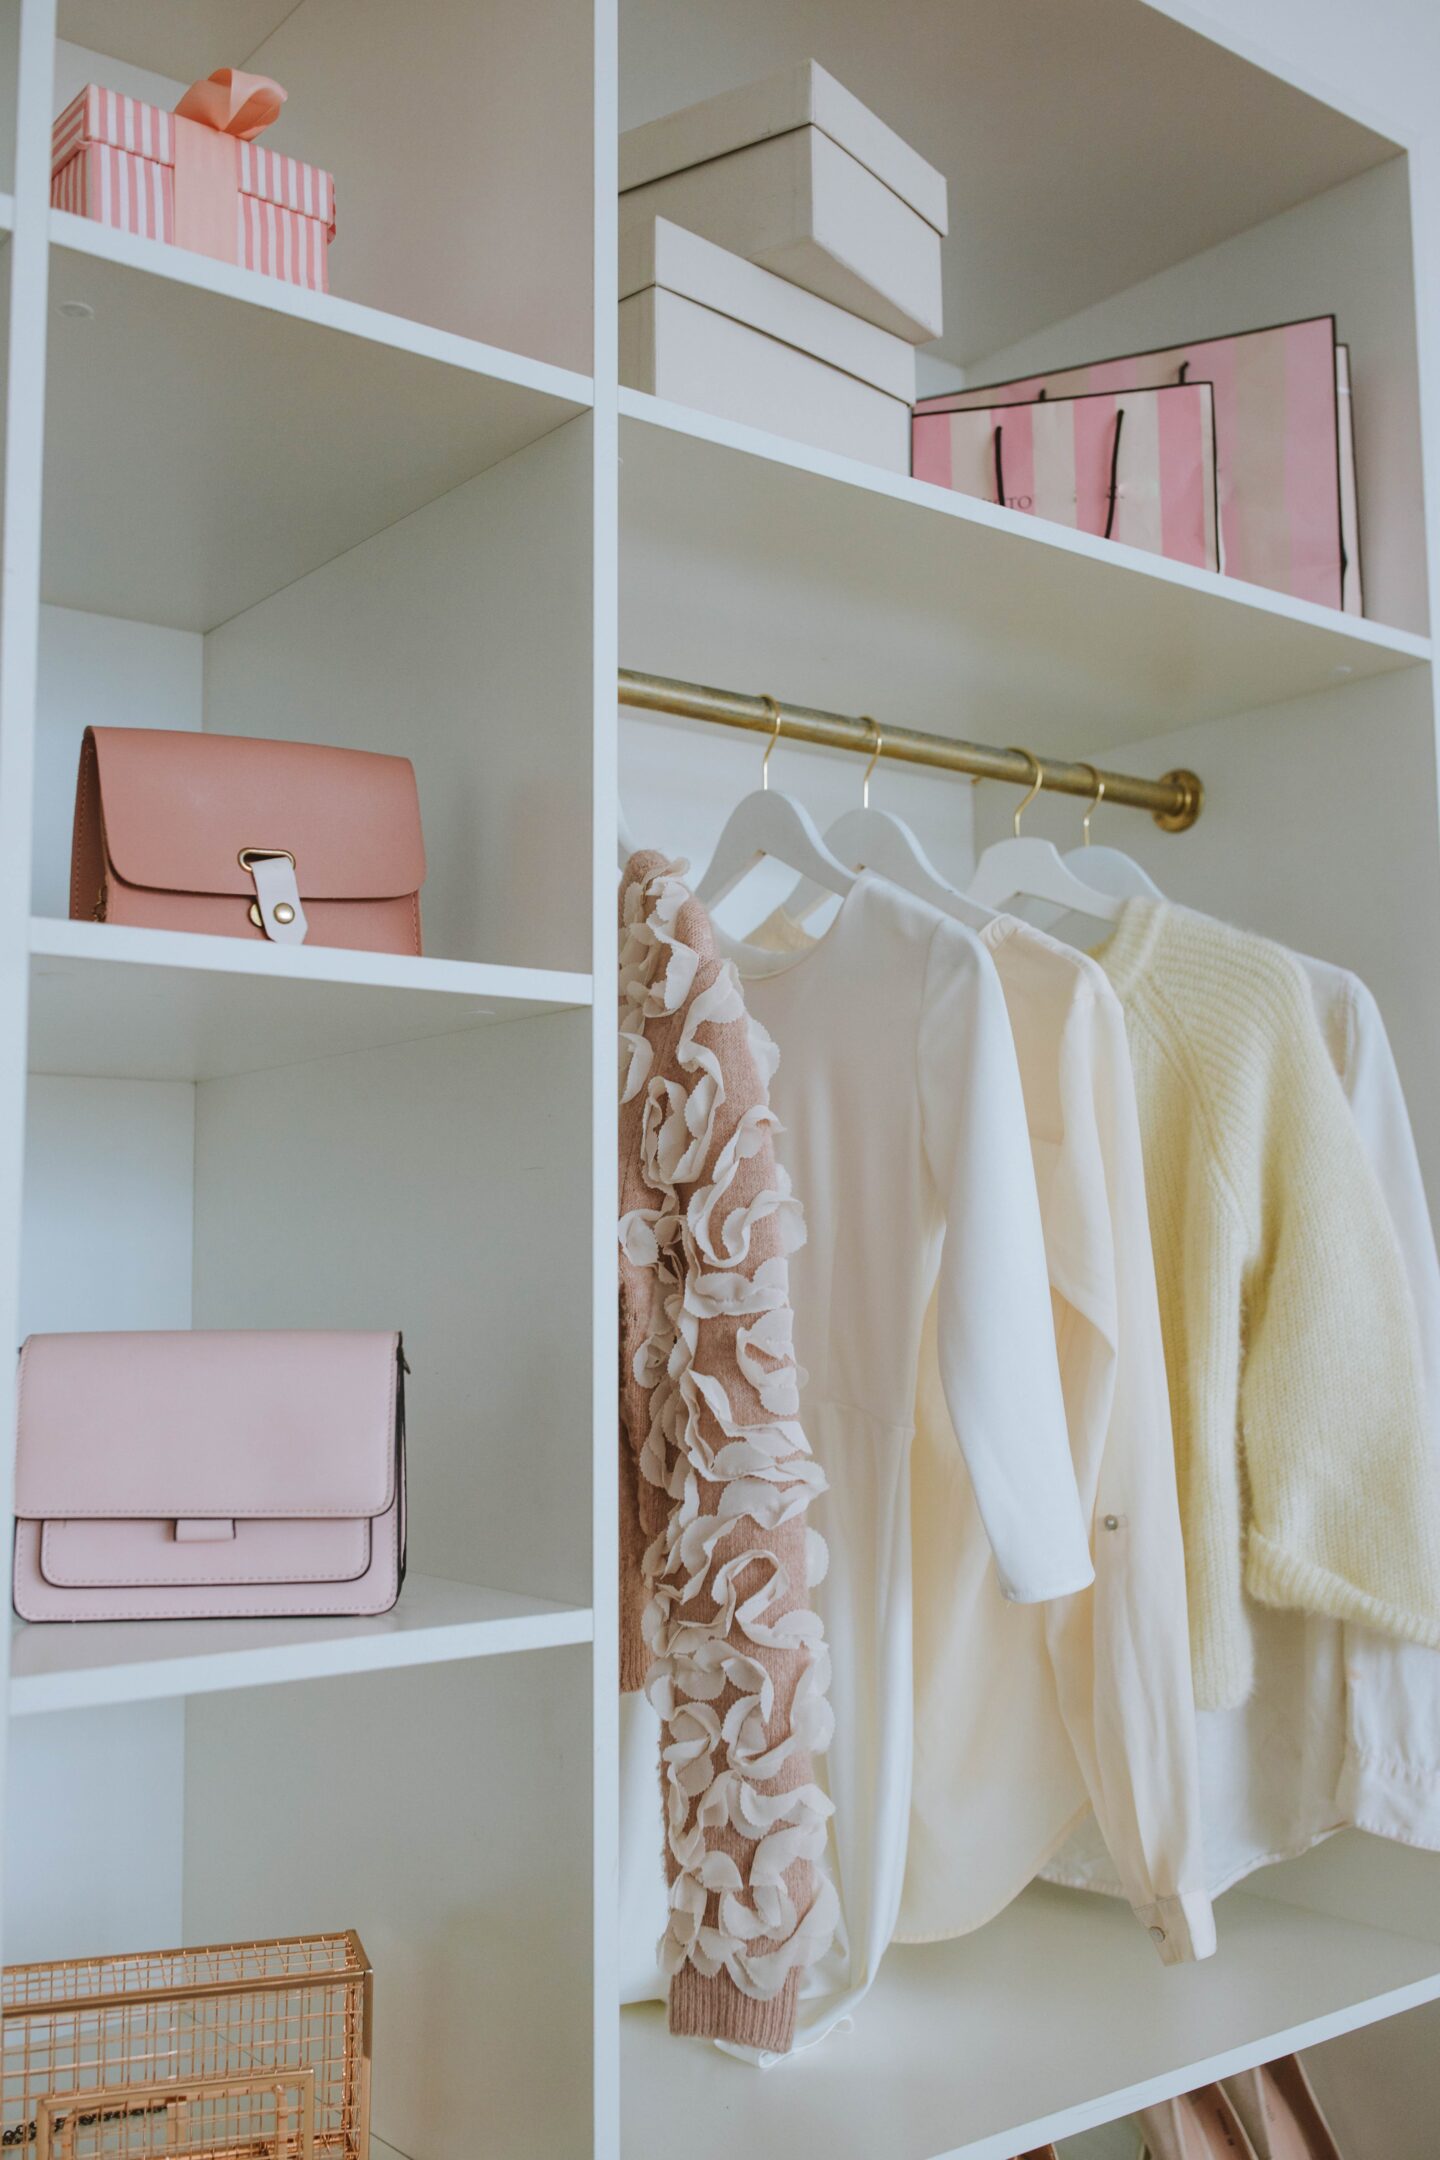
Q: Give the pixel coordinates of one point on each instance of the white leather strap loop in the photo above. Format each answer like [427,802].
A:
[204,1530]
[278,898]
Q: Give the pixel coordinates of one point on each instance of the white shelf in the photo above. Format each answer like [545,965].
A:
[938,610]
[115,1002]
[1053,2018]
[267,429]
[58,1667]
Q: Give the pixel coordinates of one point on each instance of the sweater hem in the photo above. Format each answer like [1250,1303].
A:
[1281,1578]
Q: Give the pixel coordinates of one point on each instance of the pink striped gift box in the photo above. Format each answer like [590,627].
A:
[1286,519]
[1137,466]
[121,162]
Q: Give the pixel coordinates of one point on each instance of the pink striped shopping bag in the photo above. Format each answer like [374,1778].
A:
[1287,520]
[1136,466]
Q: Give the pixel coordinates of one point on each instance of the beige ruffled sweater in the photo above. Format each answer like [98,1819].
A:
[715,1479]
[1303,1461]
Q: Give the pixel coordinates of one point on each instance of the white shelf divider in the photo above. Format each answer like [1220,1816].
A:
[436,1621]
[109,1000]
[268,429]
[943,611]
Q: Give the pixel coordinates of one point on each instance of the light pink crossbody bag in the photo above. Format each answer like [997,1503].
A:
[209,1475]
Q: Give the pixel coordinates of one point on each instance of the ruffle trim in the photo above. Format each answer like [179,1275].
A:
[714,1766]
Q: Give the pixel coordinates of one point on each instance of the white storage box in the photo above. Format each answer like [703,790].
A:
[796,174]
[705,328]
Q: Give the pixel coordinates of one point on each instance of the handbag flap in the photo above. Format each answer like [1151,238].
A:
[233,1424]
[178,807]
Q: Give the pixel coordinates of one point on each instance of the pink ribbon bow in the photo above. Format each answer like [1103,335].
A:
[233,103]
[211,121]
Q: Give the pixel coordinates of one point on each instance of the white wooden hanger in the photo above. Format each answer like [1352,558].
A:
[873,839]
[766,822]
[1108,869]
[1030,869]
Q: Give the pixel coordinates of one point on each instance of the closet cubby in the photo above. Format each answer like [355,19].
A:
[461,139]
[387,1801]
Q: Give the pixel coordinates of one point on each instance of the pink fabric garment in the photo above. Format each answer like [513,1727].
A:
[715,1478]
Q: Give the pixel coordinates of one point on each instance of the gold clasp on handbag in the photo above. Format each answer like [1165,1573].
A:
[250,855]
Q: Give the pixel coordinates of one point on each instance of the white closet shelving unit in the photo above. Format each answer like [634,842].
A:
[417,514]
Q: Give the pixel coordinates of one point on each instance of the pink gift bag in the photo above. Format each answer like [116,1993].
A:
[1277,434]
[1137,466]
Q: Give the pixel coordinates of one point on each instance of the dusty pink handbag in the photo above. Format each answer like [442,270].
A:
[293,842]
[209,1475]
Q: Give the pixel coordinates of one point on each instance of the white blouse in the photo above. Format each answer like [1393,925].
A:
[904,1128]
[1025,1716]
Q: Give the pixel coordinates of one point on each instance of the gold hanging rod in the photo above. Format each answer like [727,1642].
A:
[1174,801]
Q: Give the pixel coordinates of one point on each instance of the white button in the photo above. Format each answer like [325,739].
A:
[1112,1522]
[1158,1933]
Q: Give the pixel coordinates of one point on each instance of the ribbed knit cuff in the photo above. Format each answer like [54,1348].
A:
[1277,1577]
[715,2009]
[1182,1928]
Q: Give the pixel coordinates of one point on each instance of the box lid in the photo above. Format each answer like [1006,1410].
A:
[801,96]
[98,115]
[653,251]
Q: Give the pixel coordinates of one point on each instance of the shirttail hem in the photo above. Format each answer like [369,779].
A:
[1277,1577]
[1391,1800]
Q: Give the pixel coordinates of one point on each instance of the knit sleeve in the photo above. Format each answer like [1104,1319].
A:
[737,1662]
[1344,1507]
[996,1332]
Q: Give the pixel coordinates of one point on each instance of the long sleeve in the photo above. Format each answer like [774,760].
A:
[1121,1652]
[1331,1377]
[996,1336]
[1371,1082]
[717,1474]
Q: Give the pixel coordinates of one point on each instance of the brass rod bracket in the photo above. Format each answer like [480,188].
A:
[1191,789]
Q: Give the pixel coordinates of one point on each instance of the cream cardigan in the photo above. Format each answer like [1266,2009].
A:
[1302,1458]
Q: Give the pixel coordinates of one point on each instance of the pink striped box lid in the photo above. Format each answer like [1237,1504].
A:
[98,115]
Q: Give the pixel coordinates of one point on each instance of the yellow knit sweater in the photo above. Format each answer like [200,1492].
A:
[1301,1452]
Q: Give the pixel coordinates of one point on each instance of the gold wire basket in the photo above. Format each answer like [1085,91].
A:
[239,2051]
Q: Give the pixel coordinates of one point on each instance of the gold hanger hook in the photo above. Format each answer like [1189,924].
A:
[1035,785]
[879,739]
[1094,803]
[766,699]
